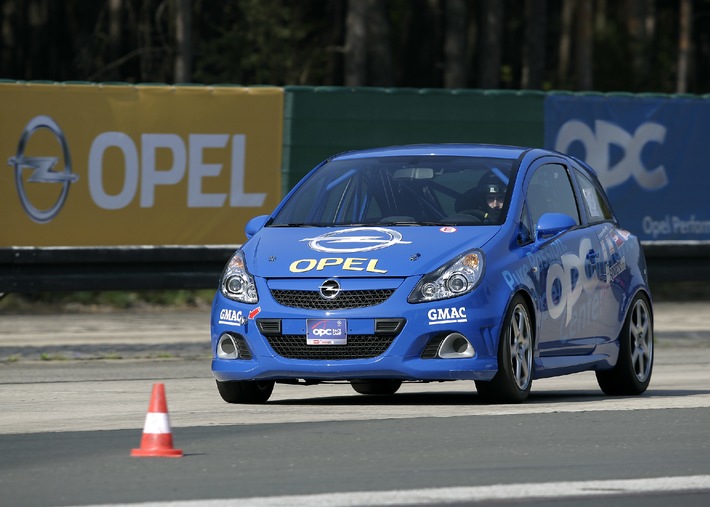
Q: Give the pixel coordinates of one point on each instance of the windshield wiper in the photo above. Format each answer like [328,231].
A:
[408,223]
[292,225]
[413,223]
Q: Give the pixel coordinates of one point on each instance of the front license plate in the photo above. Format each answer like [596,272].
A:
[326,332]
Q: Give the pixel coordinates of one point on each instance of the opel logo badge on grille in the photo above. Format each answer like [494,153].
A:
[330,289]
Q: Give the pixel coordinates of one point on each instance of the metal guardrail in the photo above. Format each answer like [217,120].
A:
[676,261]
[30,269]
[34,269]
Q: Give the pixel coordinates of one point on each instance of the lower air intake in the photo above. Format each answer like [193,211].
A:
[358,347]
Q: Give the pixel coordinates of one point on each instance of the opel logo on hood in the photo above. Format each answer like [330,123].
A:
[42,169]
[361,239]
[330,289]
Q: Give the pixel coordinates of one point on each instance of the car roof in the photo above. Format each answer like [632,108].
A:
[461,150]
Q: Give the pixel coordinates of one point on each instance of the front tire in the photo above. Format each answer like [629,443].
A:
[513,380]
[632,372]
[376,386]
[251,392]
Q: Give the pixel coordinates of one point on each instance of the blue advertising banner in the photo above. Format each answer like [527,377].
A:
[650,155]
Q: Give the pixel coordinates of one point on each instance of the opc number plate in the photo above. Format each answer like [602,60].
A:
[326,332]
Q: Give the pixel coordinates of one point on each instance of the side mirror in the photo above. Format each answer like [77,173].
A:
[254,225]
[552,224]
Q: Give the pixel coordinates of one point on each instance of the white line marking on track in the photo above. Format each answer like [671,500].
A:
[572,489]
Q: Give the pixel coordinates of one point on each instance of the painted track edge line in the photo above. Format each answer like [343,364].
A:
[569,489]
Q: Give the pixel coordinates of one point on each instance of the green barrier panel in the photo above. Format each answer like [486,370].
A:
[322,121]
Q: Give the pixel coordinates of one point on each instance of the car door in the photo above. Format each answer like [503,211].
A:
[603,318]
[566,264]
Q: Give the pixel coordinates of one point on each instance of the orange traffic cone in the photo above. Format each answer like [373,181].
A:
[157,439]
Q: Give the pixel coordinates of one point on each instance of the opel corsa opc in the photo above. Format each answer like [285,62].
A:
[433,263]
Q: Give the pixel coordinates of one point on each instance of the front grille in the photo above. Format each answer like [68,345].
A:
[359,346]
[311,299]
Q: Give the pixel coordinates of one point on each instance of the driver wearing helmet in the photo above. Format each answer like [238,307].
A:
[495,194]
[493,187]
[485,200]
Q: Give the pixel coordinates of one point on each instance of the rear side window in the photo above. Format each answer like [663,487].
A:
[550,191]
[598,209]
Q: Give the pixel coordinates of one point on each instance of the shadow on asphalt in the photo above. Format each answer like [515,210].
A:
[463,398]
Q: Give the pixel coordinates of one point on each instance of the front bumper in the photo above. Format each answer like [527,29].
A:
[473,315]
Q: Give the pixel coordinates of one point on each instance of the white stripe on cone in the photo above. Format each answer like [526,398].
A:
[156,423]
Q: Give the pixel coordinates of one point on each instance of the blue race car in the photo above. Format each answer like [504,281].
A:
[432,263]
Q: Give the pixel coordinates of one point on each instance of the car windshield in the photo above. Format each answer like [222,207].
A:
[402,190]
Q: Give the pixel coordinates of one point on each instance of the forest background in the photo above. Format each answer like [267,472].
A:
[639,46]
[657,46]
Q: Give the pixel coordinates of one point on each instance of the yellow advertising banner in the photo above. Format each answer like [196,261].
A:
[110,165]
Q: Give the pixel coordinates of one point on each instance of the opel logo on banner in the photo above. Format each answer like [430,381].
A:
[42,170]
[330,289]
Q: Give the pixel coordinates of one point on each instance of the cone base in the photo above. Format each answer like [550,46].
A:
[157,453]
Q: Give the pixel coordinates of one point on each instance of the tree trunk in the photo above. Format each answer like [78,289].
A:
[115,42]
[145,41]
[10,35]
[356,43]
[585,45]
[35,61]
[636,27]
[600,17]
[565,45]
[534,48]
[455,44]
[489,72]
[380,49]
[684,45]
[183,41]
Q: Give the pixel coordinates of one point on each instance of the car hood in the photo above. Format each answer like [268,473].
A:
[287,252]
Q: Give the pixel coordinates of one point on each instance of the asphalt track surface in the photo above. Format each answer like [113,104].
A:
[74,391]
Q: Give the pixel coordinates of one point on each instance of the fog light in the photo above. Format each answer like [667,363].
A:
[227,347]
[455,346]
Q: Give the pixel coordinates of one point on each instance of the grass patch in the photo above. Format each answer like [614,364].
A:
[52,357]
[104,301]
[112,356]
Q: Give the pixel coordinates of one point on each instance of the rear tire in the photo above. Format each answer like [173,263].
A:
[252,392]
[376,386]
[513,380]
[632,372]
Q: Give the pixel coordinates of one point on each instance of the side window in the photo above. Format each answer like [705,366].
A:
[596,205]
[550,191]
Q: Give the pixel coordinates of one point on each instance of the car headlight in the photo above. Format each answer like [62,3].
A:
[236,282]
[454,278]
